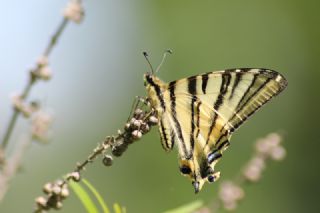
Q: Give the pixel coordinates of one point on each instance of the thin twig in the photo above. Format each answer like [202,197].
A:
[56,36]
[12,122]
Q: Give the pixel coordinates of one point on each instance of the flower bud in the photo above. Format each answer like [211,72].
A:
[75,176]
[136,124]
[278,153]
[41,202]
[58,205]
[56,189]
[153,120]
[64,192]
[136,134]
[107,160]
[47,188]
[145,128]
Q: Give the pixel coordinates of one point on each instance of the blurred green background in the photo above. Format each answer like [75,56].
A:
[98,69]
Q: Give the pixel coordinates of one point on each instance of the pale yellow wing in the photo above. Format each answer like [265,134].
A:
[207,108]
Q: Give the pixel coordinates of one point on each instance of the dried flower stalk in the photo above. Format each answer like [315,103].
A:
[139,123]
[41,121]
[73,12]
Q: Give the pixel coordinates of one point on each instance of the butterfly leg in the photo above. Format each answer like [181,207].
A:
[136,104]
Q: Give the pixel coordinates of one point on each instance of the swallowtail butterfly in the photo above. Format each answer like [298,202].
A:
[199,114]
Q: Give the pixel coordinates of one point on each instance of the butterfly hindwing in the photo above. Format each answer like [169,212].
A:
[166,133]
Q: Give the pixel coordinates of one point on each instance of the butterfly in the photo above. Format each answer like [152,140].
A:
[198,114]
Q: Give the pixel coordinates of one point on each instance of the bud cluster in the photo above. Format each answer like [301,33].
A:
[20,105]
[267,148]
[41,122]
[42,70]
[138,125]
[74,11]
[230,194]
[56,192]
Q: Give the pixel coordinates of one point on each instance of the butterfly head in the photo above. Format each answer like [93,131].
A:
[155,88]
[199,172]
[152,82]
[147,79]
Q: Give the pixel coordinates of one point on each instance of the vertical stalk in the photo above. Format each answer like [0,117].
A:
[26,91]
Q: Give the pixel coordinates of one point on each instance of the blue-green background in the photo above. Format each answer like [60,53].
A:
[98,68]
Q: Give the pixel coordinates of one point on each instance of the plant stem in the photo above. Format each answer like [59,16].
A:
[31,82]
[12,122]
[15,115]
[56,36]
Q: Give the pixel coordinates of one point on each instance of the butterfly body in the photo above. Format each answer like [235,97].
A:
[198,114]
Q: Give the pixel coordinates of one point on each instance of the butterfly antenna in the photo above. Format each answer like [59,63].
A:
[163,58]
[145,54]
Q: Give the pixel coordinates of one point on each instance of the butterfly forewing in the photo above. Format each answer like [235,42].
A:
[225,99]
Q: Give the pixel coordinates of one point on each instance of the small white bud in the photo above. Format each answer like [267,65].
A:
[132,120]
[136,134]
[229,194]
[75,176]
[59,182]
[56,190]
[258,162]
[42,61]
[58,205]
[127,126]
[107,160]
[153,120]
[64,192]
[278,153]
[45,73]
[47,188]
[252,173]
[41,202]
[137,123]
[137,113]
[74,11]
[145,128]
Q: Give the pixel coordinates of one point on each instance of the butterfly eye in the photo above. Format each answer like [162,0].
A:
[211,178]
[185,170]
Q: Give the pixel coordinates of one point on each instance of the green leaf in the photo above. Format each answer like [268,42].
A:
[84,197]
[187,208]
[117,208]
[124,210]
[97,195]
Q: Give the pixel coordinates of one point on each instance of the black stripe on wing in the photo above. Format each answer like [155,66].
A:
[260,81]
[167,138]
[226,78]
[177,125]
